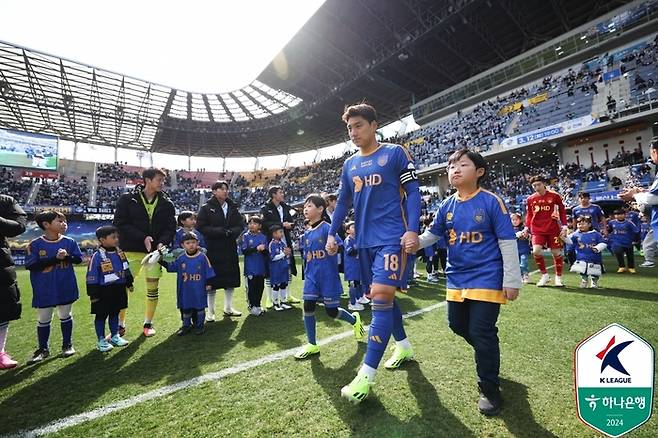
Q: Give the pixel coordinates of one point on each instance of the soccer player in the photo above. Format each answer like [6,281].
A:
[108,277]
[586,208]
[588,244]
[50,259]
[546,219]
[483,267]
[647,197]
[194,273]
[621,235]
[321,278]
[146,221]
[380,182]
[254,249]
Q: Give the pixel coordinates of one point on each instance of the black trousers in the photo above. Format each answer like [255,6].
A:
[619,252]
[255,286]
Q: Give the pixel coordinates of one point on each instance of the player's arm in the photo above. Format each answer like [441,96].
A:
[409,182]
[343,204]
[350,248]
[433,233]
[508,249]
[529,214]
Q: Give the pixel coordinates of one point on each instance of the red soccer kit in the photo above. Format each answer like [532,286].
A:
[542,219]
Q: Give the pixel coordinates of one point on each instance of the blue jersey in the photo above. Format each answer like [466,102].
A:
[373,185]
[178,238]
[522,244]
[321,268]
[279,269]
[584,244]
[593,211]
[193,273]
[352,270]
[654,208]
[472,228]
[53,281]
[254,260]
[108,267]
[621,234]
[634,217]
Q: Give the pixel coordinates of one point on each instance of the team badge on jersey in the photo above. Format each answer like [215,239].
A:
[478,216]
[42,253]
[449,216]
[382,160]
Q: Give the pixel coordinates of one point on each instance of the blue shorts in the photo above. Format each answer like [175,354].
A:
[383,265]
[322,288]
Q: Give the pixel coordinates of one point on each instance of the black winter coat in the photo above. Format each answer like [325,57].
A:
[12,224]
[271,217]
[221,234]
[131,219]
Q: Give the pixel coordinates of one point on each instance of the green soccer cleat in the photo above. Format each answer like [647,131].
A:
[400,355]
[307,351]
[359,332]
[357,390]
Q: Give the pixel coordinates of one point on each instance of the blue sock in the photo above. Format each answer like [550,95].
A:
[113,322]
[398,329]
[380,332]
[346,316]
[99,325]
[67,330]
[200,318]
[43,334]
[309,325]
[187,319]
[353,295]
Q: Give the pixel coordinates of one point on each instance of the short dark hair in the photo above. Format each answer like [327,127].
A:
[584,195]
[274,228]
[256,220]
[151,172]
[584,219]
[105,230]
[331,197]
[349,224]
[619,211]
[537,178]
[654,142]
[184,215]
[516,215]
[189,235]
[218,184]
[272,191]
[475,157]
[47,216]
[316,200]
[362,109]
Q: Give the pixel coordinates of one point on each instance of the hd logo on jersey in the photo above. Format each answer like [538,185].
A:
[614,372]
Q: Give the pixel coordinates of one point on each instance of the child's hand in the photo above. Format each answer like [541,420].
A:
[261,247]
[286,251]
[61,254]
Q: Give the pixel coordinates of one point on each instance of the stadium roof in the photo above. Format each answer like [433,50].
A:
[389,53]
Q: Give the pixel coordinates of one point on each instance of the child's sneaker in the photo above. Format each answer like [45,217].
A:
[277,306]
[620,270]
[6,362]
[68,350]
[118,341]
[104,346]
[39,355]
[647,264]
[594,283]
[583,283]
[558,281]
[232,312]
[148,330]
[525,278]
[355,307]
[631,270]
[183,330]
[363,300]
[210,317]
[285,306]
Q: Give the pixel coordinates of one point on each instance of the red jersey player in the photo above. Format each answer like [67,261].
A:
[546,220]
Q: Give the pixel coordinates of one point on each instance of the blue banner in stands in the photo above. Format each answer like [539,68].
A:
[610,75]
[552,131]
[612,195]
[528,138]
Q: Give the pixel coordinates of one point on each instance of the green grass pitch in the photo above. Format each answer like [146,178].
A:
[433,396]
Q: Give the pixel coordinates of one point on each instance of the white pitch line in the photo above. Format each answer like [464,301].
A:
[74,420]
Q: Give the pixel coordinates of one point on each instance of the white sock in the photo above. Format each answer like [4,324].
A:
[284,295]
[3,336]
[368,371]
[212,294]
[275,296]
[228,301]
[404,343]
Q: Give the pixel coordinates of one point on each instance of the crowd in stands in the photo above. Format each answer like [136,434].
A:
[17,188]
[69,192]
[115,172]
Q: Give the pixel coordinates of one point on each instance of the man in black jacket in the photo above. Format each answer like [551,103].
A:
[146,221]
[12,224]
[277,212]
[220,223]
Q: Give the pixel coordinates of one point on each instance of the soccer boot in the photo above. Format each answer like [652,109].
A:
[490,401]
[68,350]
[6,362]
[357,390]
[307,351]
[210,317]
[543,281]
[359,332]
[400,355]
[104,346]
[558,281]
[118,341]
[39,355]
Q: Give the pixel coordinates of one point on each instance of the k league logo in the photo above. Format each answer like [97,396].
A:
[614,376]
